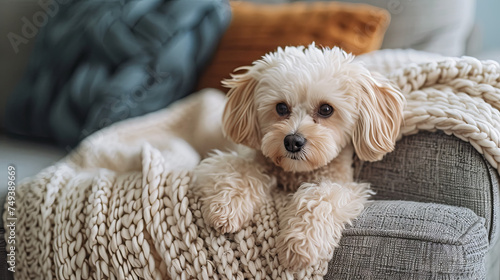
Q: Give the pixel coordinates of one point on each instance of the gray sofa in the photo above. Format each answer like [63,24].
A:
[435,214]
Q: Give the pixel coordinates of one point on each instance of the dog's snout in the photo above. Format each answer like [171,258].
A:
[294,142]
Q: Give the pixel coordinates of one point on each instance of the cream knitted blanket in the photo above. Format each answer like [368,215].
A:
[120,205]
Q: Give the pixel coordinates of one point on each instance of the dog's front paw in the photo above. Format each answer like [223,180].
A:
[296,252]
[227,216]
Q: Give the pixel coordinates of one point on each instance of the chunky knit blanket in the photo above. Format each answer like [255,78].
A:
[120,206]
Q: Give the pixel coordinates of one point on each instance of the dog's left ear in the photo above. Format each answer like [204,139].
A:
[381,114]
[239,119]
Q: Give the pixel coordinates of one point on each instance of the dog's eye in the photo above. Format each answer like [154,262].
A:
[325,110]
[282,109]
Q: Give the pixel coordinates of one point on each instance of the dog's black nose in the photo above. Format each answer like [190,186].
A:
[294,142]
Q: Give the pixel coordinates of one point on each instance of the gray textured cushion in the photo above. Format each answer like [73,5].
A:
[435,167]
[493,261]
[435,215]
[412,240]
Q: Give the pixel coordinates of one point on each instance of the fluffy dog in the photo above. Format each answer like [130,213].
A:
[300,113]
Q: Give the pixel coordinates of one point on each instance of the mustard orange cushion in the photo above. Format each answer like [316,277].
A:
[257,29]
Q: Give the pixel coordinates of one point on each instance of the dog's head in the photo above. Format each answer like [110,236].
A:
[301,106]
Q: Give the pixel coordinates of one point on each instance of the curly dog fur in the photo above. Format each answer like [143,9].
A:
[300,114]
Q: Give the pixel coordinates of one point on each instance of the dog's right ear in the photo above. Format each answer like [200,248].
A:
[239,119]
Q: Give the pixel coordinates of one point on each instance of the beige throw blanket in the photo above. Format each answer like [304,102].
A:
[120,205]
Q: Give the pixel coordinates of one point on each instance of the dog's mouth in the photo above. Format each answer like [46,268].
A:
[295,156]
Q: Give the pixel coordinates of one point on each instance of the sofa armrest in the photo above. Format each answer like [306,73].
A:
[412,240]
[436,168]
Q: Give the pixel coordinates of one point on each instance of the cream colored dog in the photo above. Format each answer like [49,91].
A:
[300,113]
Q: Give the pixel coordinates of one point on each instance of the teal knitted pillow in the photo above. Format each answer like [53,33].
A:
[98,62]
